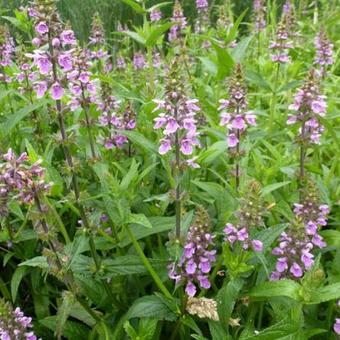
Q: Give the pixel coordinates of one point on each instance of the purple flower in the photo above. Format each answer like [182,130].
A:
[165,146]
[259,14]
[324,51]
[40,88]
[155,15]
[65,61]
[296,270]
[195,263]
[190,289]
[309,105]
[232,140]
[336,326]
[139,61]
[257,245]
[57,91]
[41,28]
[180,19]
[67,37]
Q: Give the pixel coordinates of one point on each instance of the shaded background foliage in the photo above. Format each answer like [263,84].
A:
[80,12]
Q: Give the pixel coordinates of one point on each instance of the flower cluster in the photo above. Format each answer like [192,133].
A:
[202,7]
[259,15]
[177,117]
[282,43]
[59,41]
[309,105]
[97,36]
[78,74]
[20,180]
[155,15]
[195,263]
[139,61]
[234,112]
[7,47]
[114,120]
[7,50]
[97,42]
[324,51]
[14,325]
[249,216]
[295,246]
[180,20]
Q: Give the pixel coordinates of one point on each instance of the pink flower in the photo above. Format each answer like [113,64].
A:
[41,28]
[186,147]
[232,140]
[65,61]
[238,123]
[68,38]
[165,146]
[57,91]
[40,88]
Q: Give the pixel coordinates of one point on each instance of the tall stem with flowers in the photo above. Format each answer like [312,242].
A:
[177,119]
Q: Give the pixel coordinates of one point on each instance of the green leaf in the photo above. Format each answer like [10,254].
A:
[64,311]
[18,275]
[225,61]
[32,155]
[269,289]
[272,187]
[135,36]
[226,298]
[140,219]
[238,53]
[141,141]
[257,79]
[159,5]
[233,32]
[323,294]
[159,224]
[12,120]
[130,176]
[332,237]
[135,6]
[39,261]
[217,332]
[281,330]
[130,264]
[71,330]
[157,33]
[151,306]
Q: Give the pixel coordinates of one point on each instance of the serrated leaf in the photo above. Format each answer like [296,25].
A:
[63,313]
[151,306]
[12,120]
[39,261]
[269,289]
[71,330]
[140,219]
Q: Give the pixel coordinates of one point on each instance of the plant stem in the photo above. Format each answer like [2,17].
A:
[237,165]
[147,264]
[88,123]
[273,102]
[177,185]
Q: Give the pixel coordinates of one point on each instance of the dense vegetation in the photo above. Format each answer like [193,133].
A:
[169,170]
